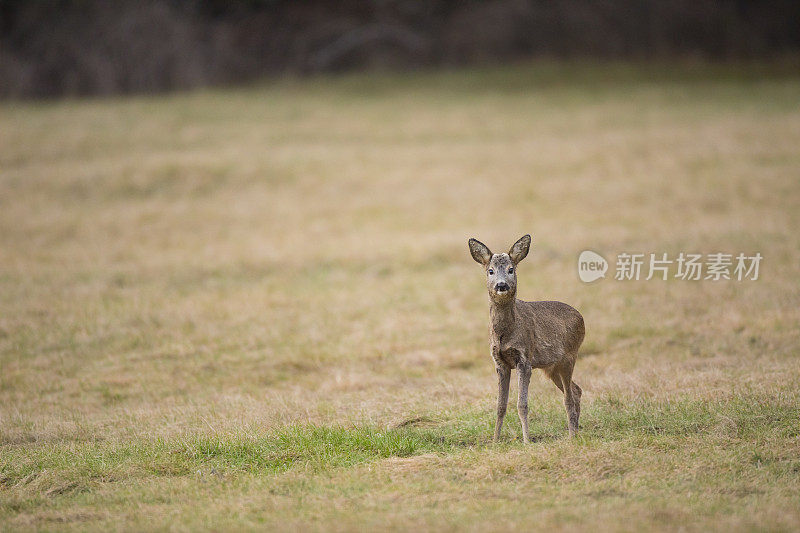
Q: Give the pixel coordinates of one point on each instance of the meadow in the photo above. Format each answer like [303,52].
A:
[254,308]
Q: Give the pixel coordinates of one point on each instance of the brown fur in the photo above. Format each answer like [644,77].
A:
[528,335]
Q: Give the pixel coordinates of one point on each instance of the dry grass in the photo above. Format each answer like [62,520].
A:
[255,308]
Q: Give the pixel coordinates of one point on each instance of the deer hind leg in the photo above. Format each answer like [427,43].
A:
[576,393]
[553,374]
[562,377]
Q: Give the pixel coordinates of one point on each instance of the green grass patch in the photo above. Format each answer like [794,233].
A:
[316,449]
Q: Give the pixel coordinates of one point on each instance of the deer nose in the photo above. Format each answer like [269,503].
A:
[501,287]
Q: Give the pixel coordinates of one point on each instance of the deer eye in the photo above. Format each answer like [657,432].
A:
[511,270]
[491,272]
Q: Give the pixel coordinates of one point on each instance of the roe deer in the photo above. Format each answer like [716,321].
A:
[527,335]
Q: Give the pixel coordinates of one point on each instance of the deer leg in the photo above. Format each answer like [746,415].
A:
[524,373]
[503,380]
[555,374]
[551,373]
[571,401]
[576,394]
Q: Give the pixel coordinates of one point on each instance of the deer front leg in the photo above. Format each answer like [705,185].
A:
[503,379]
[524,373]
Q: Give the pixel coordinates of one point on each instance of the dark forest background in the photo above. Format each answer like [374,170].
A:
[74,47]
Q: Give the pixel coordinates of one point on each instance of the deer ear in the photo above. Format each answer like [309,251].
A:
[480,252]
[520,249]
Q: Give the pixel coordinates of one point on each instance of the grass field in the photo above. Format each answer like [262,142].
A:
[255,308]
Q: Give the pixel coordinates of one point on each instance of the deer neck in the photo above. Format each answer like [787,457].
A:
[502,316]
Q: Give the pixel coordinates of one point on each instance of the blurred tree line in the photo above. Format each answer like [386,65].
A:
[57,47]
